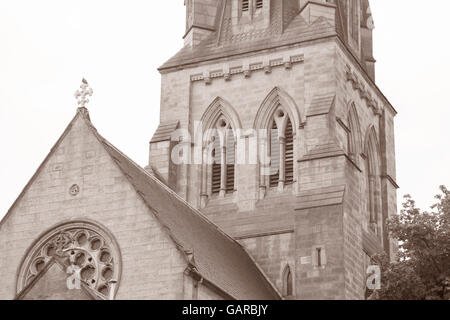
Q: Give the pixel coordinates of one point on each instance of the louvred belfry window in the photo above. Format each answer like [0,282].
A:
[216,167]
[230,163]
[287,158]
[245,5]
[274,156]
[223,169]
[289,154]
[259,4]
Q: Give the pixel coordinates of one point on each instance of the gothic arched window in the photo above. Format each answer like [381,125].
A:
[288,283]
[354,136]
[281,150]
[277,122]
[220,123]
[373,184]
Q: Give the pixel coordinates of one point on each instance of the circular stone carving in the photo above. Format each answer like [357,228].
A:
[74,190]
[82,244]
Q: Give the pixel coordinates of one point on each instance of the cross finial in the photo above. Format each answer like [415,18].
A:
[83,93]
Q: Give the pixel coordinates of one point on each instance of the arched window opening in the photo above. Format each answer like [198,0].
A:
[288,286]
[277,121]
[373,184]
[354,136]
[371,198]
[218,169]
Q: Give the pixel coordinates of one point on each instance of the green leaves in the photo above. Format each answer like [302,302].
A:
[421,270]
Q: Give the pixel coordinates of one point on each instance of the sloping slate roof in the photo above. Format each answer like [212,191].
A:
[321,105]
[371,243]
[223,43]
[164,131]
[217,257]
[320,197]
[326,150]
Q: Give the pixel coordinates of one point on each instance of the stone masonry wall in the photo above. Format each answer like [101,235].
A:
[152,267]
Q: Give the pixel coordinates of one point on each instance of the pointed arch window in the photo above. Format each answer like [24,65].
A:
[220,122]
[288,283]
[278,122]
[354,135]
[281,150]
[373,183]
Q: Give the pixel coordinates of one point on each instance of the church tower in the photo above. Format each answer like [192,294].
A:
[272,125]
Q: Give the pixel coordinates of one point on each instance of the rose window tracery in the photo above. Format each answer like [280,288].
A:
[80,247]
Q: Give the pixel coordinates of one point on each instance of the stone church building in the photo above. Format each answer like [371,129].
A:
[284,179]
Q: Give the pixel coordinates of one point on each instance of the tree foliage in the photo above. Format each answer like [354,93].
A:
[422,268]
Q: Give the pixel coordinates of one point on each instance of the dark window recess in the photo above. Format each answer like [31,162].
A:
[319,257]
[289,289]
[259,4]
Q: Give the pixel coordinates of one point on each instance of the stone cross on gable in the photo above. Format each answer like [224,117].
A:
[83,93]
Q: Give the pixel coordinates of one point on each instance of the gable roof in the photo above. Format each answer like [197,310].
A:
[210,253]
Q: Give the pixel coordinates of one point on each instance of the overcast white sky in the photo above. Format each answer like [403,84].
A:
[47,46]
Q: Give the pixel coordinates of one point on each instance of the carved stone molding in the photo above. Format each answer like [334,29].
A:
[246,70]
[362,90]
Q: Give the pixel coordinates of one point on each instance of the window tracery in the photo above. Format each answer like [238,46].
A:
[79,245]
